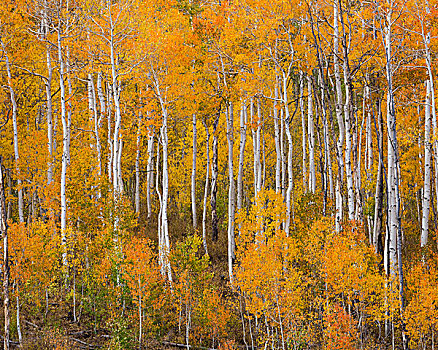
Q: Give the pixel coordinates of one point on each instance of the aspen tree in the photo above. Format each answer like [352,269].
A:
[214,179]
[165,177]
[427,167]
[304,131]
[378,197]
[426,36]
[287,122]
[207,169]
[5,267]
[65,138]
[311,132]
[339,117]
[326,137]
[48,87]
[15,129]
[258,147]
[348,120]
[243,127]
[150,169]
[277,142]
[137,164]
[255,130]
[193,184]
[92,103]
[109,133]
[393,192]
[231,190]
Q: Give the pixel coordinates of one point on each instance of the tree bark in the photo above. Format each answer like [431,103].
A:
[427,168]
[5,267]
[207,169]
[15,129]
[150,169]
[243,127]
[231,190]
[214,177]
[193,188]
[311,131]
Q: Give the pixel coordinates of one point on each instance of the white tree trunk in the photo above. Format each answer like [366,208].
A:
[258,146]
[304,132]
[92,104]
[117,122]
[348,144]
[48,85]
[289,157]
[214,180]
[165,184]
[427,168]
[328,158]
[109,136]
[5,265]
[150,169]
[161,250]
[193,188]
[65,147]
[311,130]
[207,169]
[15,129]
[254,145]
[339,117]
[426,42]
[392,167]
[164,219]
[231,191]
[137,166]
[283,156]
[243,127]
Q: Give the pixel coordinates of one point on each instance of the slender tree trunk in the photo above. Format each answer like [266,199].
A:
[15,129]
[164,219]
[161,250]
[214,177]
[243,127]
[65,148]
[304,132]
[283,157]
[207,168]
[258,146]
[395,237]
[427,169]
[92,102]
[137,166]
[150,169]
[277,143]
[254,145]
[378,198]
[140,318]
[193,189]
[348,144]
[20,335]
[328,158]
[339,117]
[48,85]
[426,42]
[5,267]
[231,190]
[310,126]
[109,136]
[289,157]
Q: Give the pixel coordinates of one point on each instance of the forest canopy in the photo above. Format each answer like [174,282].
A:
[234,174]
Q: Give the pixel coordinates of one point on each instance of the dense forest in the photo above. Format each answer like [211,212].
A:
[239,174]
